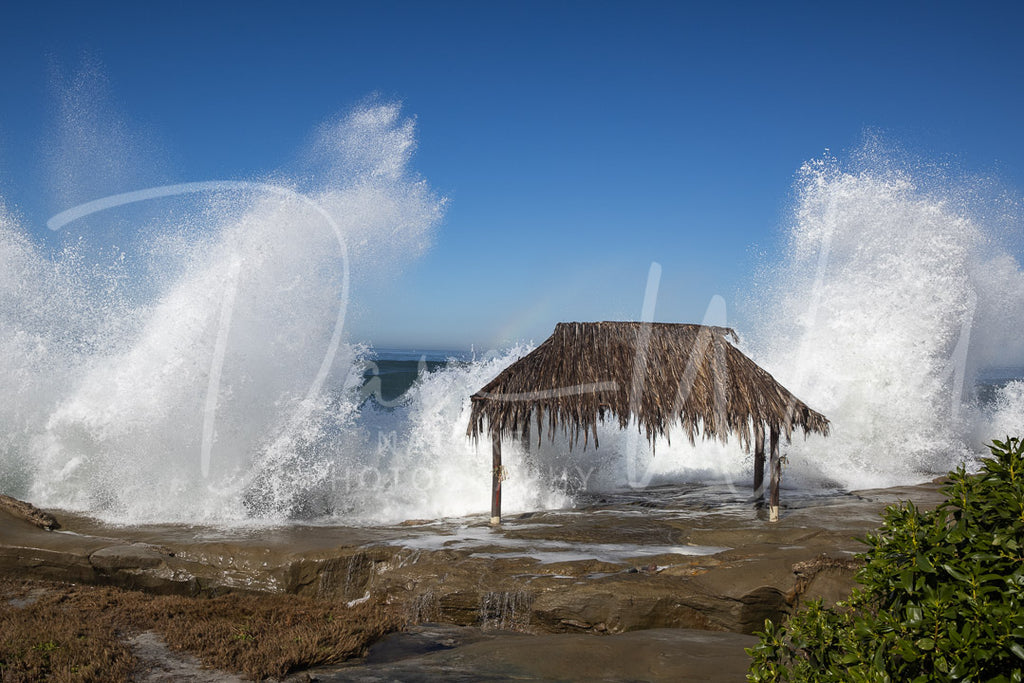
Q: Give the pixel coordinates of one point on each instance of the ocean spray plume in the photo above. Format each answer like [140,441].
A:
[141,409]
[231,284]
[872,316]
[93,150]
[117,431]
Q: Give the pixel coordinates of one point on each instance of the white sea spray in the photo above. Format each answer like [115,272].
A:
[889,296]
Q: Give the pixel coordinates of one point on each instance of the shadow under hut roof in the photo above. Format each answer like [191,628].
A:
[658,374]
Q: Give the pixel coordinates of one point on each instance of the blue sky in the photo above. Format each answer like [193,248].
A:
[577,141]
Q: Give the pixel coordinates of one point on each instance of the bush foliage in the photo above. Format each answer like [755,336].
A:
[942,596]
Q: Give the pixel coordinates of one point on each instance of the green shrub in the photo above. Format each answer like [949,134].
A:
[942,596]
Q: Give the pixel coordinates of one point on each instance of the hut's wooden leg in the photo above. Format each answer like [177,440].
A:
[759,465]
[776,477]
[496,478]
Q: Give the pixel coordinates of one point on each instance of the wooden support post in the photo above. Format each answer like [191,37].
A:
[776,477]
[496,477]
[759,464]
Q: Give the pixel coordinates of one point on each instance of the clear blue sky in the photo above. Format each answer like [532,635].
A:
[577,142]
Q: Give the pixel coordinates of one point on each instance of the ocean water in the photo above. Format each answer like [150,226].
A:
[202,373]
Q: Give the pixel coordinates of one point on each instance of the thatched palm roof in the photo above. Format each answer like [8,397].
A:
[656,373]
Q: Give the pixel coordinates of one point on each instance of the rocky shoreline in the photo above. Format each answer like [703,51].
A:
[668,561]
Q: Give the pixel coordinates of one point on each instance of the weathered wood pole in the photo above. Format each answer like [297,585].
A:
[776,464]
[759,464]
[496,477]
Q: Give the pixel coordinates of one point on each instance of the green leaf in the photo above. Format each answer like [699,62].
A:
[1016,649]
[959,670]
[908,652]
[959,576]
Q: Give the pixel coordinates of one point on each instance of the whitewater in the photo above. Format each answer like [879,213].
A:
[202,373]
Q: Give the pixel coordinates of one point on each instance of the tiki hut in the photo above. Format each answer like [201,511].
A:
[658,374]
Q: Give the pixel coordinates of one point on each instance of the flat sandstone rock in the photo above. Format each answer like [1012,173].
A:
[28,512]
[605,570]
